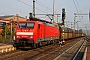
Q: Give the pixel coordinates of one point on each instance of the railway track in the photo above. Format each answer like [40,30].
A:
[50,52]
[73,51]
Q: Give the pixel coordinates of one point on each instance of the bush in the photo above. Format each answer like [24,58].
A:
[0,39]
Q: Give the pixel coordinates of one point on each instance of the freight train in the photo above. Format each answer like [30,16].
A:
[36,32]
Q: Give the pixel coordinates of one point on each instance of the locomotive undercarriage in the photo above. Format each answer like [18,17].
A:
[29,43]
[23,43]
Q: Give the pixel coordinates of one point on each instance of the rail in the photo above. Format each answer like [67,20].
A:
[66,51]
[78,50]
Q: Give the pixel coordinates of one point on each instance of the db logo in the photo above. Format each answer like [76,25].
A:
[24,36]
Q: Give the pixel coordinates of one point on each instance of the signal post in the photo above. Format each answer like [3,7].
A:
[63,19]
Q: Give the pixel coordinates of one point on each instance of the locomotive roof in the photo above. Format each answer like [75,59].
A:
[30,21]
[50,24]
[36,19]
[39,20]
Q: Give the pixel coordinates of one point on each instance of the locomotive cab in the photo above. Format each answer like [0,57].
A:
[26,33]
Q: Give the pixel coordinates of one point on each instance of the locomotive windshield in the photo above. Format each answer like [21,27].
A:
[26,25]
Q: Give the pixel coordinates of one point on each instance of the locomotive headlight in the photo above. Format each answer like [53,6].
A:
[31,36]
[18,36]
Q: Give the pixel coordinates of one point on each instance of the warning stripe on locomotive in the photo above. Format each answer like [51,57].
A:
[24,33]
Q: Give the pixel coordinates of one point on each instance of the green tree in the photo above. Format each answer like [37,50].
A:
[7,30]
[80,30]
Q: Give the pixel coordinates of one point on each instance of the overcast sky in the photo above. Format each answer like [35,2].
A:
[24,7]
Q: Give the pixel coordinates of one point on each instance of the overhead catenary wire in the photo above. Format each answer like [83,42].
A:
[48,9]
[75,6]
[30,6]
[84,8]
[77,3]
[82,23]
[12,8]
[44,6]
[78,6]
[84,27]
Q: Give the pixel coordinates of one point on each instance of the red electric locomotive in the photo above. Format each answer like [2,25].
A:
[36,32]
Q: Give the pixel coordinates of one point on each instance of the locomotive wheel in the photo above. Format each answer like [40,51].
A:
[35,45]
[42,44]
[48,42]
[17,47]
[53,42]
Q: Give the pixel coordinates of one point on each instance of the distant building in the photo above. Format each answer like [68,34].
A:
[11,18]
[8,18]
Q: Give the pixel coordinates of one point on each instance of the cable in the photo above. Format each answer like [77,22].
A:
[42,5]
[12,8]
[83,24]
[24,3]
[75,5]
[29,5]
[85,8]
